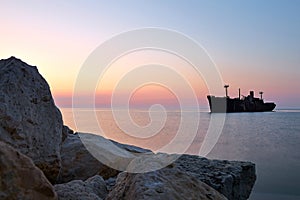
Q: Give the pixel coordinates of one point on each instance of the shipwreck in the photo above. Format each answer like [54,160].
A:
[240,104]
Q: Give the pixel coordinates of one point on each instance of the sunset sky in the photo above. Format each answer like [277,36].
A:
[254,44]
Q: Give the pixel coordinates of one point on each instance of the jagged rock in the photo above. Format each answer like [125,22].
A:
[20,178]
[31,123]
[65,132]
[167,183]
[234,179]
[93,188]
[29,119]
[131,148]
[79,163]
[110,183]
[151,162]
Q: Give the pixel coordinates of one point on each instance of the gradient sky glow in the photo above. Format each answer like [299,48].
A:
[255,44]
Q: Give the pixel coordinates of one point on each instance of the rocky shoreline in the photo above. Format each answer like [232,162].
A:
[40,158]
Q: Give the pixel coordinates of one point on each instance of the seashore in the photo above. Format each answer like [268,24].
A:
[40,158]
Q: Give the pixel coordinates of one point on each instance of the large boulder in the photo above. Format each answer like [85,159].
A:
[20,178]
[167,183]
[29,119]
[93,188]
[79,163]
[234,179]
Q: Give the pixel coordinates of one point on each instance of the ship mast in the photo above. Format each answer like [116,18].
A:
[226,86]
[261,93]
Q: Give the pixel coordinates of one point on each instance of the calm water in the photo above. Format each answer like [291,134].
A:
[270,140]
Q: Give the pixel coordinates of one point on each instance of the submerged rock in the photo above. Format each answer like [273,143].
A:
[93,188]
[20,178]
[167,183]
[234,179]
[29,119]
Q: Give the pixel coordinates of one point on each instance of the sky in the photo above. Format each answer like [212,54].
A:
[254,44]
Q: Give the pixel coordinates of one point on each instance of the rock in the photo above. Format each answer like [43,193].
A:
[113,154]
[167,183]
[65,132]
[110,182]
[131,148]
[20,178]
[31,123]
[151,162]
[29,119]
[234,179]
[93,188]
[79,163]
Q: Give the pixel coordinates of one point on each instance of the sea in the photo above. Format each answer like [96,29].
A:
[271,140]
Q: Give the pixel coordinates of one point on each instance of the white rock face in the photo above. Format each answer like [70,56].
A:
[20,178]
[29,119]
[79,163]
